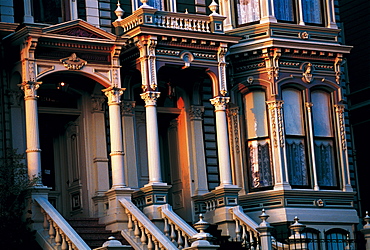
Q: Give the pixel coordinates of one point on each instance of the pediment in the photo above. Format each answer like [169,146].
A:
[78,28]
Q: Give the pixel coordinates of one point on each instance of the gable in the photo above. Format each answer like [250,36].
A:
[78,28]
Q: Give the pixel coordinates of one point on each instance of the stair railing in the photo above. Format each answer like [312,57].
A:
[141,233]
[175,228]
[245,228]
[60,234]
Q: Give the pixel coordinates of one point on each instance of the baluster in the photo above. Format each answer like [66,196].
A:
[69,245]
[237,230]
[251,240]
[186,240]
[64,243]
[143,235]
[203,26]
[258,241]
[207,27]
[163,21]
[186,24]
[129,223]
[199,28]
[166,228]
[150,243]
[168,22]
[181,23]
[180,242]
[45,224]
[51,228]
[156,244]
[244,236]
[58,238]
[136,231]
[173,234]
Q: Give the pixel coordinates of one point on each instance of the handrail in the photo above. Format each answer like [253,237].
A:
[176,228]
[144,231]
[59,229]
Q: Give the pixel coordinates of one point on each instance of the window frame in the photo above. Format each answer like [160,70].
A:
[304,138]
[257,139]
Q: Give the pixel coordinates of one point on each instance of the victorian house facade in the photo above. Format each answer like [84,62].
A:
[145,114]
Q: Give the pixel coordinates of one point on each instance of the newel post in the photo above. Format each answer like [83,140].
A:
[366,230]
[265,232]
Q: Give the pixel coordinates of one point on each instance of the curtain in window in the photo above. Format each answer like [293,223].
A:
[284,10]
[323,139]
[248,11]
[295,137]
[259,159]
[312,12]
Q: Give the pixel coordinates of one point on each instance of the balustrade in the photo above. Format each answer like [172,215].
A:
[58,233]
[175,228]
[141,232]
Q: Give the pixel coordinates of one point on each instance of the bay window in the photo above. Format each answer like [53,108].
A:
[295,137]
[258,144]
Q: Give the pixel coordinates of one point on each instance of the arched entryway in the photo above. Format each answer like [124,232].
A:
[71,109]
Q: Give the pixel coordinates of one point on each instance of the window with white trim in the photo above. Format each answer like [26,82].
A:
[295,137]
[301,162]
[258,143]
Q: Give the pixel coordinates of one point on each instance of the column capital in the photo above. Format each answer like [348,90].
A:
[220,102]
[275,104]
[113,94]
[150,98]
[196,112]
[30,89]
[127,108]
[97,103]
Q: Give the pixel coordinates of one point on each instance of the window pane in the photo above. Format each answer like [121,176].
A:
[248,11]
[325,163]
[259,156]
[293,116]
[296,160]
[321,114]
[156,4]
[284,10]
[255,112]
[312,11]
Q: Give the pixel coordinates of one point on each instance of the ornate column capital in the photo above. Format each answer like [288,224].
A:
[127,108]
[15,97]
[30,89]
[97,103]
[114,95]
[150,98]
[275,104]
[196,112]
[220,102]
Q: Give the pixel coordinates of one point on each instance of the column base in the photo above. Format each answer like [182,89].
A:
[115,217]
[150,197]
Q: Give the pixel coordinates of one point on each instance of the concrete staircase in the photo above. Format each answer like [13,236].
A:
[93,233]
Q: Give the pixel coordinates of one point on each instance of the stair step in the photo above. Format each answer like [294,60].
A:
[93,233]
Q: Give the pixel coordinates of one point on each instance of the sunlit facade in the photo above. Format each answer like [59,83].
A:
[209,107]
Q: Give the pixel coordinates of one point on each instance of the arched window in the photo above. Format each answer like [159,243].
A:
[323,139]
[248,11]
[336,239]
[295,137]
[257,140]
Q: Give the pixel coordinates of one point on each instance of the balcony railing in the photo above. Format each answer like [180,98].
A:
[171,20]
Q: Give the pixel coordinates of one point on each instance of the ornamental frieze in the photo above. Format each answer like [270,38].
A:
[73,62]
